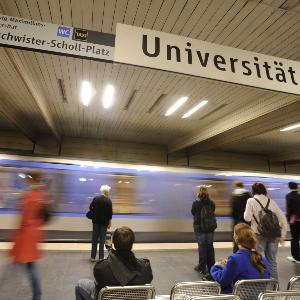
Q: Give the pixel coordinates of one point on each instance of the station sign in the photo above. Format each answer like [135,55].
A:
[164,51]
[58,39]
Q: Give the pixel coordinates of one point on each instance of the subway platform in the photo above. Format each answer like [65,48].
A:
[63,264]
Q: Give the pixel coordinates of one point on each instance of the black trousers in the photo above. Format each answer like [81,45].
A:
[295,233]
[98,236]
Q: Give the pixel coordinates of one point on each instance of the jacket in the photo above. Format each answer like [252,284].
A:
[239,199]
[197,206]
[101,208]
[29,234]
[239,266]
[293,204]
[112,271]
[253,208]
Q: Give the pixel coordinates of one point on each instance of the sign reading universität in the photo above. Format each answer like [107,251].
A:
[63,40]
[153,49]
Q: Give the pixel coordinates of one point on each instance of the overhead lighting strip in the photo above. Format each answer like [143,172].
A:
[194,109]
[176,105]
[291,127]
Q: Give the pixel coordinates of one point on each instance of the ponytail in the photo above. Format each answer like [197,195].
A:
[256,260]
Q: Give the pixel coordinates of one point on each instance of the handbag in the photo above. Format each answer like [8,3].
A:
[108,239]
[89,215]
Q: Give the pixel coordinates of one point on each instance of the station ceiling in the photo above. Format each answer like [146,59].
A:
[236,118]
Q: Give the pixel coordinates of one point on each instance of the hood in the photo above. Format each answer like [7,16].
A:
[119,270]
[239,191]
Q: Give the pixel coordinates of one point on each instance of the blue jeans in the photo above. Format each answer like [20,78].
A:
[206,249]
[269,247]
[99,233]
[85,289]
[34,280]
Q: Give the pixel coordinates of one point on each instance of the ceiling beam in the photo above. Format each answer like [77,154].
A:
[36,93]
[276,119]
[288,156]
[17,119]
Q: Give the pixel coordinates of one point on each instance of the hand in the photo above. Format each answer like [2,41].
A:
[109,224]
[221,262]
[282,241]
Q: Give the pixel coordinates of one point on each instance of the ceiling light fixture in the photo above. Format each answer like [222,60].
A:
[176,105]
[194,109]
[291,127]
[108,96]
[86,93]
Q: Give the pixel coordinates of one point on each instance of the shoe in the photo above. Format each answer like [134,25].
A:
[93,260]
[292,259]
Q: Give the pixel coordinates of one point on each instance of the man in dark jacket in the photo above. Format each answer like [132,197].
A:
[121,267]
[293,217]
[239,199]
[101,210]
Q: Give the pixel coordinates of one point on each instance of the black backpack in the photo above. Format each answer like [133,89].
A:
[208,222]
[268,224]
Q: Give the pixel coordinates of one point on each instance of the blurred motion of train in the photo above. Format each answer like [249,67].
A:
[150,199]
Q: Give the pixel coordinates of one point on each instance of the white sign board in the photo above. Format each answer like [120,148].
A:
[45,37]
[154,49]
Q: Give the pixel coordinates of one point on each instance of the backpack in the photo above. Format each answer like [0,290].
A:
[208,222]
[268,224]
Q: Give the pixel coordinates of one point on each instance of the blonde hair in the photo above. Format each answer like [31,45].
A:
[203,192]
[245,237]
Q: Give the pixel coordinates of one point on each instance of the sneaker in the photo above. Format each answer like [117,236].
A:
[93,260]
[292,259]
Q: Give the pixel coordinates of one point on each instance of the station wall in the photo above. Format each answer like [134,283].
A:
[119,151]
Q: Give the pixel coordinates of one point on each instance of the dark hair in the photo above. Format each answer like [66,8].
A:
[293,185]
[259,189]
[245,237]
[238,183]
[123,238]
[34,176]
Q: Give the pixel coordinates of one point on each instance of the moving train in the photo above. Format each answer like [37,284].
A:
[154,201]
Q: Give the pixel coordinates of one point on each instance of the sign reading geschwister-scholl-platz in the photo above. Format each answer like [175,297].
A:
[64,40]
[153,49]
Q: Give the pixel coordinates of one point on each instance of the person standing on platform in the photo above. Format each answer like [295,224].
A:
[101,211]
[268,222]
[205,224]
[25,247]
[239,199]
[293,217]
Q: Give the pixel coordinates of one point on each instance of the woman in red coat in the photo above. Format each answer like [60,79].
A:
[25,249]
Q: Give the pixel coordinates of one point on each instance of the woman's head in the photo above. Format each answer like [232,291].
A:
[245,237]
[203,192]
[259,189]
[123,239]
[104,189]
[34,177]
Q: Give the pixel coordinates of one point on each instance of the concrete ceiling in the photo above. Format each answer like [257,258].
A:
[235,117]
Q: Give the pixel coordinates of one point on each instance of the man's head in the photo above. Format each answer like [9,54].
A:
[293,185]
[123,239]
[104,189]
[238,184]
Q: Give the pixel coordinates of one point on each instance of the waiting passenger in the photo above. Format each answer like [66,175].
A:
[101,215]
[246,263]
[205,223]
[268,222]
[121,267]
[293,216]
[239,199]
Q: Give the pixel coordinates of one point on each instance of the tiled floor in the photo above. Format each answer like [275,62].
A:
[60,270]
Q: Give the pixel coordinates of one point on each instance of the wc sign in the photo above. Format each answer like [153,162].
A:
[63,31]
